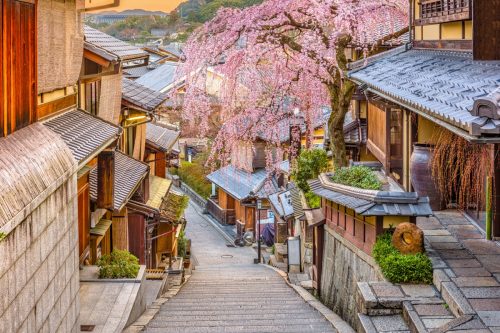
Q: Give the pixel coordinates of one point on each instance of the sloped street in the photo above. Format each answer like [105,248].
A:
[228,293]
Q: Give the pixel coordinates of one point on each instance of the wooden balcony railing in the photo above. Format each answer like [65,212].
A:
[436,11]
[223,216]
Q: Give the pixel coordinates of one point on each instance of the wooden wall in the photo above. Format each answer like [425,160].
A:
[18,65]
[377,132]
[136,236]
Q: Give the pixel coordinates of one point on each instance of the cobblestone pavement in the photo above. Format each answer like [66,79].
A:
[467,265]
[228,293]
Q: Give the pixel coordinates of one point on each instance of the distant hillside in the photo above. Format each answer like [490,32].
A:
[131,12]
[200,11]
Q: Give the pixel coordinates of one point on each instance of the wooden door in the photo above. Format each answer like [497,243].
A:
[18,65]
[136,236]
[83,216]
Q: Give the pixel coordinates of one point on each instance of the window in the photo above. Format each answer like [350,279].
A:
[92,96]
[434,11]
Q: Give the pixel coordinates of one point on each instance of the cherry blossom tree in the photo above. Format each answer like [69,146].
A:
[266,61]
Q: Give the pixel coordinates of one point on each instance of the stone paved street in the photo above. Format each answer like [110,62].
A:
[464,258]
[228,293]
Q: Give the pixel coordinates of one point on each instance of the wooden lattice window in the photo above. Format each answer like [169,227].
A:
[434,11]
[92,96]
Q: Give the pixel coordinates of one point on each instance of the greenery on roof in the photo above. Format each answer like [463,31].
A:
[172,208]
[357,176]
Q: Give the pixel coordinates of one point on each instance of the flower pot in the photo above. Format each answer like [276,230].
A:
[421,175]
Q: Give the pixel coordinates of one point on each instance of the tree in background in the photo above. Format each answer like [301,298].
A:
[280,56]
[310,164]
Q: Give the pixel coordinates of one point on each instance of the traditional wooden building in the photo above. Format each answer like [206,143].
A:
[358,216]
[441,83]
[41,46]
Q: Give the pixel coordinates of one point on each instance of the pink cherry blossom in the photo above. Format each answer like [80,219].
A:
[273,58]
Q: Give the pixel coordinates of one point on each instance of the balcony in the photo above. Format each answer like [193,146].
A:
[223,216]
[438,11]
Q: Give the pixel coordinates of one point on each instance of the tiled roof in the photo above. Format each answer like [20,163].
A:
[356,132]
[124,51]
[442,85]
[158,190]
[173,48]
[372,203]
[237,182]
[84,133]
[136,72]
[160,79]
[141,96]
[129,172]
[161,137]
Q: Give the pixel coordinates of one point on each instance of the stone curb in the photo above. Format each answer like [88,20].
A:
[338,323]
[140,324]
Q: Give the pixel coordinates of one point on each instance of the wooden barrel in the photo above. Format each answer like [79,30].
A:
[421,175]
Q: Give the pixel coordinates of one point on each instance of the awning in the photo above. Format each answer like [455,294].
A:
[101,228]
[129,173]
[140,96]
[158,190]
[161,137]
[86,135]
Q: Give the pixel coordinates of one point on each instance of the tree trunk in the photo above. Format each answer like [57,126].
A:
[340,99]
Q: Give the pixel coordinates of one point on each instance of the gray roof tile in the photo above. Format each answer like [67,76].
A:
[383,203]
[129,172]
[84,133]
[239,183]
[443,84]
[160,136]
[141,96]
[96,39]
[160,78]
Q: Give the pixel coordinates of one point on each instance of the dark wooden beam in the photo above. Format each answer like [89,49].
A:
[106,179]
[486,30]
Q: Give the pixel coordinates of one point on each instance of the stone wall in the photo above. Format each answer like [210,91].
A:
[344,265]
[39,276]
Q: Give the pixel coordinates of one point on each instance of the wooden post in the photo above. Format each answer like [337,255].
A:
[160,165]
[106,179]
[486,30]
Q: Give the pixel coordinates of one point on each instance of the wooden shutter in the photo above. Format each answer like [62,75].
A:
[18,65]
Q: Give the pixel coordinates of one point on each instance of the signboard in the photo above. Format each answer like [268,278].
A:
[293,250]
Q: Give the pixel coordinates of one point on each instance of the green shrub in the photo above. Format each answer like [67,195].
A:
[398,267]
[118,265]
[357,176]
[313,200]
[310,164]
[193,174]
[182,244]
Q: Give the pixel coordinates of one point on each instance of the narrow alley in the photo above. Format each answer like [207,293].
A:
[228,293]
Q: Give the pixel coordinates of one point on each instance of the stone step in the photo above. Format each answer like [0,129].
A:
[314,328]
[382,324]
[244,315]
[255,321]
